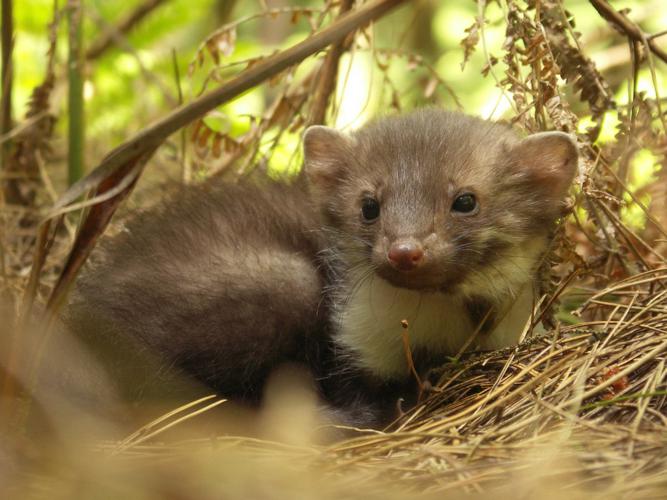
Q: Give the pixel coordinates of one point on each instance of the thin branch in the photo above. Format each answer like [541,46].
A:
[627,27]
[123,44]
[182,154]
[110,35]
[657,35]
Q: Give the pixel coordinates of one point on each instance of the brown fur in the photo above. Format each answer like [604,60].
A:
[218,281]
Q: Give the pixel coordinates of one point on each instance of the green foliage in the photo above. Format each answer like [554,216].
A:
[132,84]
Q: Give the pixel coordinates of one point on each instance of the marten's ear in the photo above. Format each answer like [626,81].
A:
[326,154]
[549,159]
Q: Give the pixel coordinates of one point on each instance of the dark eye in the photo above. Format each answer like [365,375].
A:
[465,203]
[370,209]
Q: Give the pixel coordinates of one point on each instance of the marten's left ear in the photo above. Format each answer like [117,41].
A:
[550,161]
[326,154]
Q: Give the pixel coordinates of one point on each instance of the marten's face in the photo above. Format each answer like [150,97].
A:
[437,201]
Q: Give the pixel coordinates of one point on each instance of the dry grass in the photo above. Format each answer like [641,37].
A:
[579,412]
[582,411]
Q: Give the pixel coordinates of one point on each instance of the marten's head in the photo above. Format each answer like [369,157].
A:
[437,200]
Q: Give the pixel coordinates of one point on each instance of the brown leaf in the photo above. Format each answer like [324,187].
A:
[196,127]
[216,147]
[469,43]
[226,41]
[203,136]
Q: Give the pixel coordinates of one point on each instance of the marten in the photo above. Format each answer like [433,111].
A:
[433,218]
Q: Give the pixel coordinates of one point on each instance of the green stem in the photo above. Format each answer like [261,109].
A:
[7,78]
[76,78]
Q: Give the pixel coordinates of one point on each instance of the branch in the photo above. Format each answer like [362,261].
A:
[106,39]
[627,27]
[154,135]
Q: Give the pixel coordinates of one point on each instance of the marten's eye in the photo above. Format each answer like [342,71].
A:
[465,204]
[370,209]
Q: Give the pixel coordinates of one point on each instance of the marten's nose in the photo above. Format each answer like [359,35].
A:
[405,255]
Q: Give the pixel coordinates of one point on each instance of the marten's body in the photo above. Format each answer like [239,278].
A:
[219,282]
[434,217]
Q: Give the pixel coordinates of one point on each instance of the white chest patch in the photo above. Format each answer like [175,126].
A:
[369,325]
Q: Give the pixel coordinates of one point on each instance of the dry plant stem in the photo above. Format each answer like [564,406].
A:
[473,335]
[647,277]
[266,12]
[326,82]
[629,236]
[639,203]
[154,135]
[22,127]
[106,40]
[628,27]
[461,418]
[102,196]
[555,295]
[292,97]
[176,422]
[656,88]
[92,228]
[42,247]
[623,373]
[432,71]
[481,19]
[149,428]
[405,337]
[182,157]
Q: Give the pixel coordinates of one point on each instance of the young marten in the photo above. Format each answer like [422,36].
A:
[433,217]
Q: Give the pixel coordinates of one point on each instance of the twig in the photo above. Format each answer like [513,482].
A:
[106,39]
[405,338]
[123,43]
[182,157]
[627,27]
[657,35]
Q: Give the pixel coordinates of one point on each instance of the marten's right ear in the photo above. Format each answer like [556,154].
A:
[326,152]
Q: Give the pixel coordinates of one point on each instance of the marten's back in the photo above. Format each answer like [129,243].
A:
[219,282]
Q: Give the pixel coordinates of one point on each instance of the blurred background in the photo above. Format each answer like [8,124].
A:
[140,55]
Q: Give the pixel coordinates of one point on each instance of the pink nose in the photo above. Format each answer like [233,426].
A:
[405,255]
